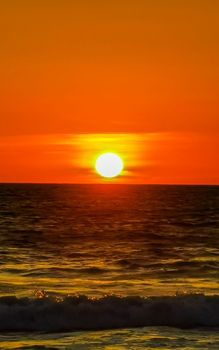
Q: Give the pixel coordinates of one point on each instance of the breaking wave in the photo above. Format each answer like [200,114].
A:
[51,314]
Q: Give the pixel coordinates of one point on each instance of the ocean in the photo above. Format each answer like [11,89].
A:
[109,267]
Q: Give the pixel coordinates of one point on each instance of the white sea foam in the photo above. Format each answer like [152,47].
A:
[83,313]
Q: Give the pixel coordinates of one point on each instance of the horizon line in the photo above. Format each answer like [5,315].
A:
[108,183]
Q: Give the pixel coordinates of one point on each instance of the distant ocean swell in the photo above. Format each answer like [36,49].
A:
[83,313]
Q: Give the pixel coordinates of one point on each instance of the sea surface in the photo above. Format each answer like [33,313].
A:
[109,267]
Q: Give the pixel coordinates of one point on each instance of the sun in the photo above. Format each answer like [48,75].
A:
[109,165]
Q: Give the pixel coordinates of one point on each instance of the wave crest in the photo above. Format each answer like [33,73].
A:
[82,313]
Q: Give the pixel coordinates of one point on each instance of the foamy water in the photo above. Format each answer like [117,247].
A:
[108,257]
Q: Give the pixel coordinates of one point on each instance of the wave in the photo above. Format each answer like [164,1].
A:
[71,313]
[92,270]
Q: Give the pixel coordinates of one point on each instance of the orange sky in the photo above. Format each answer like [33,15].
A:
[144,70]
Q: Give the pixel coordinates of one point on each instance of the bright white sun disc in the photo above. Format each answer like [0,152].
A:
[109,165]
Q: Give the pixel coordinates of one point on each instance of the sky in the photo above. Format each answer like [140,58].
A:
[81,77]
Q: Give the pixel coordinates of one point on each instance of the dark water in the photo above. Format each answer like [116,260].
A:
[96,240]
